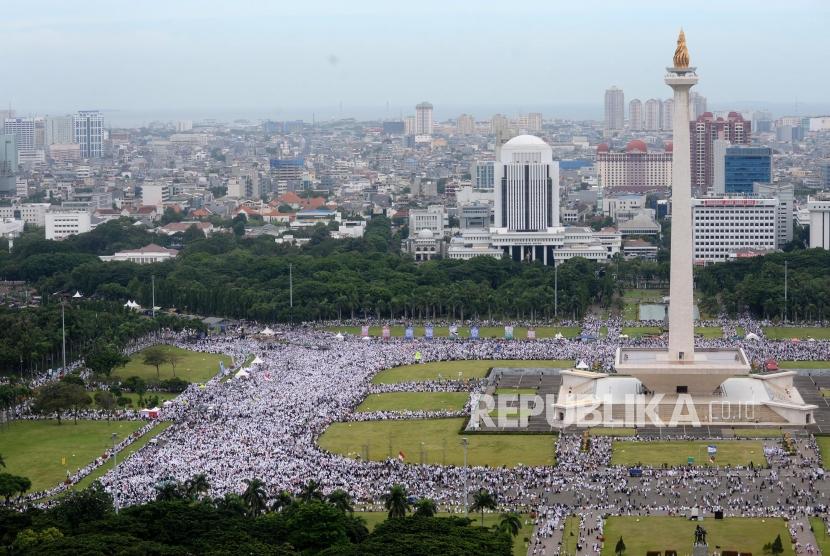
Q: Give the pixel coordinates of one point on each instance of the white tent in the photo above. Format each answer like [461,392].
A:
[339,337]
[256,361]
[242,373]
[366,338]
[77,295]
[559,336]
[267,332]
[751,336]
[581,365]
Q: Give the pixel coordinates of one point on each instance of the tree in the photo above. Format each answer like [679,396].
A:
[425,507]
[155,356]
[255,496]
[104,400]
[168,489]
[396,502]
[103,358]
[619,549]
[311,491]
[483,500]
[341,500]
[29,539]
[2,461]
[174,358]
[197,485]
[777,546]
[282,501]
[510,523]
[137,385]
[13,484]
[90,504]
[61,396]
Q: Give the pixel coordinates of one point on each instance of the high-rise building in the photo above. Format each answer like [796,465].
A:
[785,193]
[534,122]
[635,115]
[614,109]
[8,164]
[723,226]
[743,166]
[527,186]
[653,115]
[481,173]
[635,169]
[762,121]
[89,133]
[465,125]
[697,105]
[719,147]
[23,130]
[423,119]
[498,124]
[59,130]
[703,132]
[824,174]
[668,114]
[409,125]
[819,208]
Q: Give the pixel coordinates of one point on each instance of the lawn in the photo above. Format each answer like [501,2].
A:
[612,431]
[195,366]
[758,433]
[516,391]
[789,332]
[640,331]
[820,531]
[440,441]
[519,332]
[414,401]
[519,547]
[822,364]
[464,369]
[34,449]
[824,450]
[570,535]
[661,533]
[163,396]
[657,453]
[709,332]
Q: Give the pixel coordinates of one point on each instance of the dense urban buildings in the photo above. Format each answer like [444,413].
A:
[704,131]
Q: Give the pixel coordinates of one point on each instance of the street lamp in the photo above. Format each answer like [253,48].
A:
[115,470]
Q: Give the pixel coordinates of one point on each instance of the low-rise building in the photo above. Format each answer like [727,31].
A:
[61,224]
[724,225]
[145,255]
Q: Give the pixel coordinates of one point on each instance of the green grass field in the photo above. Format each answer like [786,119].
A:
[372,519]
[519,332]
[661,533]
[820,532]
[758,433]
[570,535]
[426,401]
[655,454]
[441,443]
[516,391]
[194,366]
[789,332]
[449,370]
[612,431]
[640,331]
[34,448]
[804,364]
[163,396]
[824,450]
[709,332]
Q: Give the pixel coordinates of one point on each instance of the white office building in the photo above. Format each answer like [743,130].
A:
[155,194]
[23,130]
[89,133]
[819,209]
[33,214]
[635,115]
[724,225]
[785,194]
[148,254]
[58,130]
[653,115]
[433,218]
[61,224]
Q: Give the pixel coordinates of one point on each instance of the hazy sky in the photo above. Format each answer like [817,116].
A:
[274,55]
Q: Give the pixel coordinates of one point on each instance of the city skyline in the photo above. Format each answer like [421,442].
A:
[304,59]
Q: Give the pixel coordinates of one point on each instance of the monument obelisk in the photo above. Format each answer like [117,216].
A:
[681,78]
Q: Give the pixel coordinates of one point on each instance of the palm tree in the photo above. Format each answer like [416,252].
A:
[396,502]
[425,507]
[510,523]
[168,489]
[341,500]
[254,496]
[483,500]
[283,500]
[231,503]
[311,491]
[198,484]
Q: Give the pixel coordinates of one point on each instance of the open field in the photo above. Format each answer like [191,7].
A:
[758,433]
[824,450]
[34,449]
[436,441]
[449,370]
[194,366]
[163,396]
[490,519]
[426,401]
[661,533]
[570,535]
[804,364]
[519,332]
[611,431]
[677,452]
[789,332]
[640,331]
[820,531]
[709,332]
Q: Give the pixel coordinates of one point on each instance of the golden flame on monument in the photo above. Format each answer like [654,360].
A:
[681,53]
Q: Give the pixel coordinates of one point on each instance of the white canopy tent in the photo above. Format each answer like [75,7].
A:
[582,365]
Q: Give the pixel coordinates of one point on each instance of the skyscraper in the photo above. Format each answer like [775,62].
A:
[89,133]
[465,125]
[23,130]
[534,121]
[635,115]
[697,105]
[423,119]
[614,109]
[743,166]
[653,115]
[668,114]
[703,132]
[8,164]
[527,186]
[59,130]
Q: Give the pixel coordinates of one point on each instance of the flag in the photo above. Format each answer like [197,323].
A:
[63,460]
[712,449]
[401,456]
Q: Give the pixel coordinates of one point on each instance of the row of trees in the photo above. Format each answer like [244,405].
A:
[184,519]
